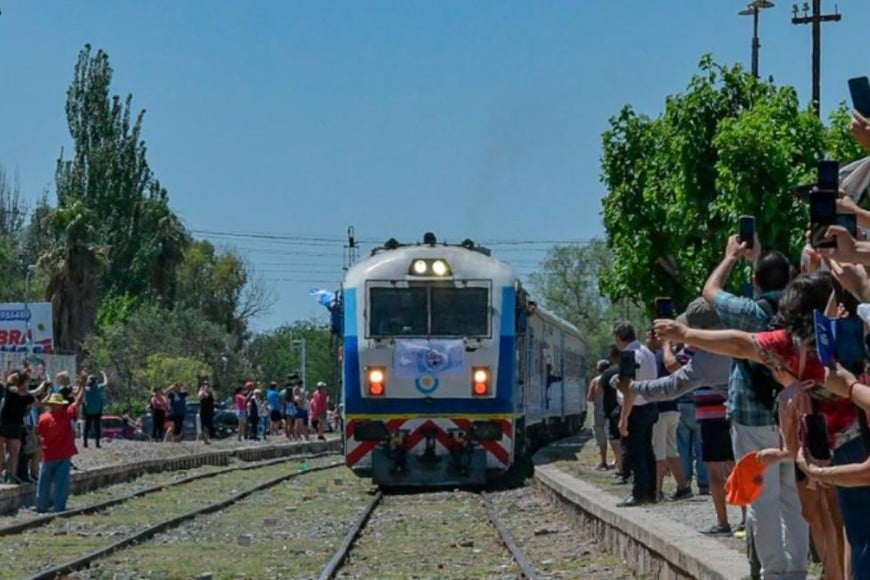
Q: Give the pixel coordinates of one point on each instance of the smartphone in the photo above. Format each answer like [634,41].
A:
[823,213]
[747,230]
[664,307]
[849,344]
[802,192]
[627,365]
[859,88]
[848,221]
[828,176]
[814,435]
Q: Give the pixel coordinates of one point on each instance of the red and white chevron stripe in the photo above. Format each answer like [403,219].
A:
[499,452]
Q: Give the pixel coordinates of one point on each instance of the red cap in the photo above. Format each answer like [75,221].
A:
[249,385]
[746,481]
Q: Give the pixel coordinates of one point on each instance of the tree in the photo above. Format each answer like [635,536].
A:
[273,355]
[123,346]
[726,146]
[219,285]
[14,258]
[568,284]
[117,203]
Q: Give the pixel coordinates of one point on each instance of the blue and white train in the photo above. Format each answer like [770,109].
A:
[450,372]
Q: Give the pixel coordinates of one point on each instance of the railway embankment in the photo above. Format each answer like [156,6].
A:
[121,461]
[658,541]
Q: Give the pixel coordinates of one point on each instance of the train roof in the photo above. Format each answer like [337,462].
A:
[466,260]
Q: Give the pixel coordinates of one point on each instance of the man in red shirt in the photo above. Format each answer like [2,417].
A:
[58,447]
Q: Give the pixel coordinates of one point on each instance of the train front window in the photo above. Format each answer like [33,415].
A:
[398,311]
[459,311]
[424,310]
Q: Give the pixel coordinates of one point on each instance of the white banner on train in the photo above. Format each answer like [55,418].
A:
[14,318]
[416,358]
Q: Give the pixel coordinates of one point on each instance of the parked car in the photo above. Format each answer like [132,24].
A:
[113,427]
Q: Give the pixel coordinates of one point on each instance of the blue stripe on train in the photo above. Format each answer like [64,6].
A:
[355,403]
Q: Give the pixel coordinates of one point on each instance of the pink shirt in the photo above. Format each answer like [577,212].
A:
[318,403]
[241,402]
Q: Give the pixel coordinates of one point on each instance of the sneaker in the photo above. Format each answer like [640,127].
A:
[602,467]
[684,493]
[717,530]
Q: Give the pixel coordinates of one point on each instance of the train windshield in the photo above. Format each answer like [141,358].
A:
[429,311]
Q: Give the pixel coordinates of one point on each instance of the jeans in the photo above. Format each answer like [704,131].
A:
[689,446]
[640,449]
[855,507]
[53,480]
[780,533]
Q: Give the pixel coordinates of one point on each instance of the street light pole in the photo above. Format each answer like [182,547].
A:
[303,355]
[753,9]
[29,337]
[816,20]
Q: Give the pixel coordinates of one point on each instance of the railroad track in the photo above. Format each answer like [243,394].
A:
[338,560]
[145,523]
[44,519]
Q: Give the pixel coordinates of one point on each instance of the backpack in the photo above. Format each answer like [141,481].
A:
[764,387]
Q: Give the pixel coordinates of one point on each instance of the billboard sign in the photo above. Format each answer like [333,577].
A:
[14,317]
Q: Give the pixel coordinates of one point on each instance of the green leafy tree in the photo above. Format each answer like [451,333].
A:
[726,146]
[273,355]
[109,192]
[220,285]
[162,370]
[122,348]
[568,284]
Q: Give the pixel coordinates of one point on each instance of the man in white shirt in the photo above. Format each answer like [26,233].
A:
[637,419]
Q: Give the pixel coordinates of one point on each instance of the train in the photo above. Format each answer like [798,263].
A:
[451,373]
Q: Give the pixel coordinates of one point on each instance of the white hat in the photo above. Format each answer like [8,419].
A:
[320,384]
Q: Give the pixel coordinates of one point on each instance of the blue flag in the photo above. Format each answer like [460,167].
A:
[323,297]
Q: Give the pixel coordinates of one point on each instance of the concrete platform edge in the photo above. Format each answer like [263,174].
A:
[650,544]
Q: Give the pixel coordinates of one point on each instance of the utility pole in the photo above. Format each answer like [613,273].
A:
[753,9]
[300,342]
[816,20]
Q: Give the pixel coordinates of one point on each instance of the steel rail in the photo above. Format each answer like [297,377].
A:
[332,567]
[83,561]
[526,568]
[42,520]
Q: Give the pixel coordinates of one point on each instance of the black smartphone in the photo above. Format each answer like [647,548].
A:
[664,307]
[802,192]
[848,221]
[747,230]
[859,88]
[627,365]
[849,344]
[823,213]
[828,176]
[815,435]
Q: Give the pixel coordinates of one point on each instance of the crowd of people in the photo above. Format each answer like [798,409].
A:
[40,420]
[289,410]
[739,384]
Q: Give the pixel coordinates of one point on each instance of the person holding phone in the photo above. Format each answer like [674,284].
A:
[637,418]
[789,352]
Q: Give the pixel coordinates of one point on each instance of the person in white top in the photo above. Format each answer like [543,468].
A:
[637,420]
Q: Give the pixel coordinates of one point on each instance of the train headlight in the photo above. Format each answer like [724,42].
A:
[431,267]
[481,382]
[439,268]
[376,381]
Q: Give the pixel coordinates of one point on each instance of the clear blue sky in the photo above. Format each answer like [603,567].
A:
[470,119]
